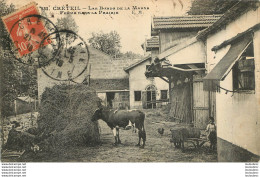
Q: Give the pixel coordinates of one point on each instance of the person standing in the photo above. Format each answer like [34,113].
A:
[212,133]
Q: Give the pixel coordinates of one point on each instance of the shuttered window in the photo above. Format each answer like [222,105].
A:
[137,95]
[164,94]
[244,71]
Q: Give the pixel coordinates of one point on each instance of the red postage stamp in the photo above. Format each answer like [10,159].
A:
[26,29]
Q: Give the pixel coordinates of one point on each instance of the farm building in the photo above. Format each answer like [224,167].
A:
[233,56]
[120,83]
[145,92]
[151,46]
[104,74]
[182,68]
[217,70]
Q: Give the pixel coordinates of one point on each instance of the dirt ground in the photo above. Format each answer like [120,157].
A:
[158,147]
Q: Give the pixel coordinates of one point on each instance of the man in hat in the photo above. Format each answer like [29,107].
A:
[14,137]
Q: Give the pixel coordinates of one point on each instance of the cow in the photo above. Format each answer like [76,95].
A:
[121,118]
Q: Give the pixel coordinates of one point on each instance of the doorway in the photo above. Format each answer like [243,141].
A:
[151,97]
[110,98]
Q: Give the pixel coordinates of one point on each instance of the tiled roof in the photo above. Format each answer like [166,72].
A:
[189,21]
[109,84]
[152,42]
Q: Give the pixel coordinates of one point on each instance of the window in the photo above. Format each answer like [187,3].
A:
[137,95]
[244,71]
[164,94]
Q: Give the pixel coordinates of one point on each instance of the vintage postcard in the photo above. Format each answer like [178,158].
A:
[130,81]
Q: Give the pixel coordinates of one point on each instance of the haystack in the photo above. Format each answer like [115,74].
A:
[65,116]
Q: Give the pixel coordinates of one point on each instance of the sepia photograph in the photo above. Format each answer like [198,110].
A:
[130,81]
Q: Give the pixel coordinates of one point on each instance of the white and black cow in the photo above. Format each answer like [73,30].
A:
[121,118]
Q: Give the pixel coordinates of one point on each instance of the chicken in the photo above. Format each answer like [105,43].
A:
[161,130]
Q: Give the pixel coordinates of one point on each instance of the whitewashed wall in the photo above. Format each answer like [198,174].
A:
[238,118]
[138,82]
[194,53]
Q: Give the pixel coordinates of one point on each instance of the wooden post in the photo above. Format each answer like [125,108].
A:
[35,104]
[15,107]
[170,82]
[209,103]
[70,107]
[191,101]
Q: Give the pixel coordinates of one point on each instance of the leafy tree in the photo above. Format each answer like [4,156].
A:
[109,43]
[4,10]
[8,84]
[8,92]
[17,79]
[209,7]
[67,23]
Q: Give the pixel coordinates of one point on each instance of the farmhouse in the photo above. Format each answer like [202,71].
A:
[183,59]
[233,67]
[215,72]
[146,92]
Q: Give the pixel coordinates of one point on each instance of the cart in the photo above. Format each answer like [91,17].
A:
[197,142]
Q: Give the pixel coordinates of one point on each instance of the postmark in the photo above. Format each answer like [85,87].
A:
[28,31]
[71,59]
[62,55]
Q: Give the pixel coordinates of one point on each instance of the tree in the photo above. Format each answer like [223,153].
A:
[4,10]
[17,79]
[108,43]
[67,23]
[209,7]
[8,92]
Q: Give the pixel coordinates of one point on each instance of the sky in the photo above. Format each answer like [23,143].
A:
[133,28]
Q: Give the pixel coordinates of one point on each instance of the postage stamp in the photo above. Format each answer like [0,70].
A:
[26,29]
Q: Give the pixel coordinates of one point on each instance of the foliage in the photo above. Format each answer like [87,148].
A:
[4,10]
[130,54]
[17,79]
[8,69]
[67,23]
[108,43]
[209,7]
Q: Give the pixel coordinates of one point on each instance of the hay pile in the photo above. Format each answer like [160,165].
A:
[65,117]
